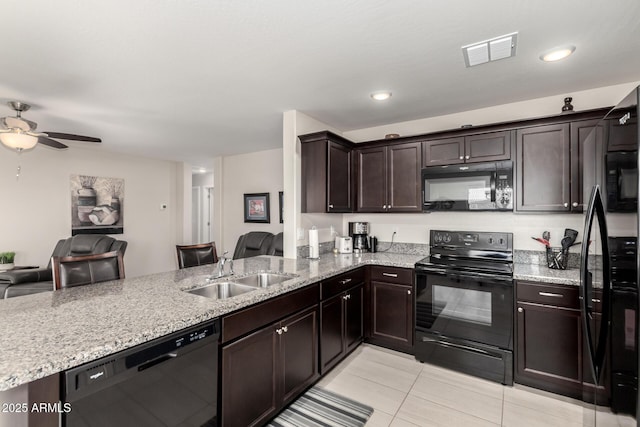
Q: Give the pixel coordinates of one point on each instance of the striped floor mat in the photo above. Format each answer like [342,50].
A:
[319,407]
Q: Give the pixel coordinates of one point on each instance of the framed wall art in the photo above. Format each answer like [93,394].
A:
[96,205]
[256,207]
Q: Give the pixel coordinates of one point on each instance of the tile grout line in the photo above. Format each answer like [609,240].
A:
[407,395]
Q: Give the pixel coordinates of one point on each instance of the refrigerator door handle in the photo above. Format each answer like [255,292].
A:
[596,352]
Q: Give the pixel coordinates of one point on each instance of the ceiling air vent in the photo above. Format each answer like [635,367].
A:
[490,50]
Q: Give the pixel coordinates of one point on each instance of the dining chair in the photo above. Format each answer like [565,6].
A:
[194,255]
[81,270]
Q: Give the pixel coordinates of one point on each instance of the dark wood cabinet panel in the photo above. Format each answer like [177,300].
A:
[447,151]
[372,182]
[249,379]
[327,184]
[623,137]
[332,345]
[299,353]
[543,176]
[487,147]
[550,352]
[339,188]
[403,172]
[388,178]
[268,368]
[354,322]
[341,326]
[484,147]
[549,348]
[586,160]
[391,312]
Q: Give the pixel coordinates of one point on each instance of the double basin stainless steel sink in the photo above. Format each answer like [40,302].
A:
[241,285]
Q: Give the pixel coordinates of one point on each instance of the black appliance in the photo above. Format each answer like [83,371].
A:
[359,232]
[468,187]
[624,321]
[622,181]
[465,302]
[610,330]
[170,381]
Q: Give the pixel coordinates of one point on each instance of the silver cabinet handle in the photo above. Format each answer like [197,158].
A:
[330,206]
[520,310]
[285,329]
[390,274]
[279,331]
[466,157]
[345,281]
[461,157]
[550,294]
[566,205]
[574,204]
[596,300]
[408,291]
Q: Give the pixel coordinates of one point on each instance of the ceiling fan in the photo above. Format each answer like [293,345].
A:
[19,134]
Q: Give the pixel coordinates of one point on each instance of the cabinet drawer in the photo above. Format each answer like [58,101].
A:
[340,283]
[549,294]
[259,315]
[392,274]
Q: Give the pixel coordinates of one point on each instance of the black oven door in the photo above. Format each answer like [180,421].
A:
[465,306]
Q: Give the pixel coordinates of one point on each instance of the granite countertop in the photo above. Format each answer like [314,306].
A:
[544,274]
[49,332]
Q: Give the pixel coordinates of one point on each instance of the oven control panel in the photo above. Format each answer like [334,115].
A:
[472,239]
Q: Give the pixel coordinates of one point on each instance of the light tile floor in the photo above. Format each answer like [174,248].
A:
[407,393]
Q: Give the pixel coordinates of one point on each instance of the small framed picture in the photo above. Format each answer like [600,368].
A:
[256,207]
[280,202]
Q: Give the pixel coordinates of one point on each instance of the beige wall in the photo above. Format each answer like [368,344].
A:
[259,172]
[36,208]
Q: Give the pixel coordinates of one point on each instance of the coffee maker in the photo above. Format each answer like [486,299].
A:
[359,232]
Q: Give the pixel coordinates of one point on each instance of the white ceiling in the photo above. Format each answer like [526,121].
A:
[194,79]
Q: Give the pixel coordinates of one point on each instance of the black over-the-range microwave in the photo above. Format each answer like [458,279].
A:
[468,187]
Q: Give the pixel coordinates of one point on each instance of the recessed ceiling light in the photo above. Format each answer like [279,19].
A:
[381,95]
[557,53]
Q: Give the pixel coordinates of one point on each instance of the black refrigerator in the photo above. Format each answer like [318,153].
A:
[609,268]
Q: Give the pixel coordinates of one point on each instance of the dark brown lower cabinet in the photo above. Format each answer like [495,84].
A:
[550,352]
[265,370]
[549,348]
[341,326]
[391,308]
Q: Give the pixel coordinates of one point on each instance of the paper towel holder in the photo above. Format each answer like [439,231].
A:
[314,245]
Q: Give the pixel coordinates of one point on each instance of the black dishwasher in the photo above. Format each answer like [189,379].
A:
[170,381]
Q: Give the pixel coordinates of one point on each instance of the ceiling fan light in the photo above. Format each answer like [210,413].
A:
[18,141]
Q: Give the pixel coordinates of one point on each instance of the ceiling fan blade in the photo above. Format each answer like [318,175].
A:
[72,137]
[50,142]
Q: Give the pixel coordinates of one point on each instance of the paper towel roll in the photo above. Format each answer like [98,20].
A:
[314,248]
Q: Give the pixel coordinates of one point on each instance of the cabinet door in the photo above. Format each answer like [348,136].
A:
[623,137]
[543,175]
[392,315]
[249,381]
[332,346]
[549,353]
[487,147]
[372,185]
[298,353]
[354,330]
[339,178]
[446,151]
[403,173]
[586,160]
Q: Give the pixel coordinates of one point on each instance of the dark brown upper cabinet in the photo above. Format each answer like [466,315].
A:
[327,174]
[483,147]
[623,137]
[388,178]
[551,164]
